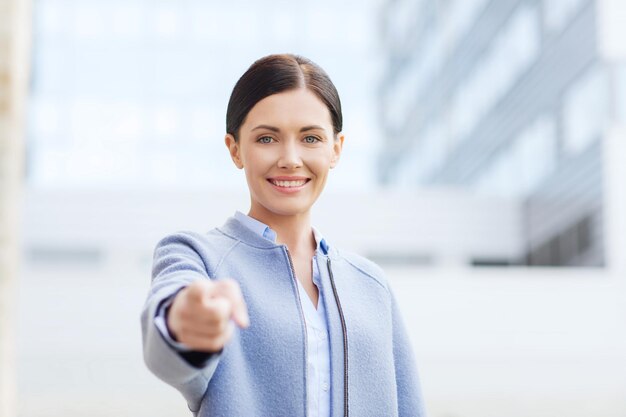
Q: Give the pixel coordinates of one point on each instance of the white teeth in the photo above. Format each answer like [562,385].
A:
[288,183]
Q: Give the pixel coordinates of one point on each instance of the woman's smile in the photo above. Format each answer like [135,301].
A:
[288,185]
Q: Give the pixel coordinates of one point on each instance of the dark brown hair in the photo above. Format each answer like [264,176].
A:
[274,74]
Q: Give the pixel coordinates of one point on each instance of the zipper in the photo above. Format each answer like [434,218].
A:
[345,341]
[306,341]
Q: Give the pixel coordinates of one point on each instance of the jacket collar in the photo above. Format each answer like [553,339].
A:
[237,230]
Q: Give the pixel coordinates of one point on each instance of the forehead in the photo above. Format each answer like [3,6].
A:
[295,108]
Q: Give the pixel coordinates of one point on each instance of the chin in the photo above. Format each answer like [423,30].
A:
[288,209]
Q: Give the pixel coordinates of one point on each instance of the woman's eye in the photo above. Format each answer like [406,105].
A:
[265,139]
[311,139]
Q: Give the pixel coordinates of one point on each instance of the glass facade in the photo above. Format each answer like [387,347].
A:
[507,98]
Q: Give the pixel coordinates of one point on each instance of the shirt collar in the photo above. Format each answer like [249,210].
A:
[264,230]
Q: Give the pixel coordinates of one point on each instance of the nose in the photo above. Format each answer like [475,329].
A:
[289,155]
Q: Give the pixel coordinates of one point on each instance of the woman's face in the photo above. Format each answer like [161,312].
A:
[286,147]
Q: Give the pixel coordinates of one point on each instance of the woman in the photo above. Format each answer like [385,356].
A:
[318,331]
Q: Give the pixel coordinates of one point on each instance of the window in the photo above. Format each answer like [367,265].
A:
[431,151]
[512,52]
[459,16]
[585,110]
[558,12]
[521,166]
[536,150]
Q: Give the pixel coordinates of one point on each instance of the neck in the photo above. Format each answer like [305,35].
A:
[293,230]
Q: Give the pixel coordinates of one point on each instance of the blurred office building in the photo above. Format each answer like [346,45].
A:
[127,116]
[512,98]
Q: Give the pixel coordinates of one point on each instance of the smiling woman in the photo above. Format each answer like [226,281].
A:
[286,153]
[318,332]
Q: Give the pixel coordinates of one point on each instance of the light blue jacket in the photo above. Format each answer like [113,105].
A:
[262,369]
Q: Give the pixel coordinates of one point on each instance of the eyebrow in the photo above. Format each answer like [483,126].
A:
[275,129]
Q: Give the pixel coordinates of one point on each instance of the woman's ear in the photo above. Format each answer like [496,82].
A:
[233,149]
[337,147]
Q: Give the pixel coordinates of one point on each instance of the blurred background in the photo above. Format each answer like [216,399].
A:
[485,148]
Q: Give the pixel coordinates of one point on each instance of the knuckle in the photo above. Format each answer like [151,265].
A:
[218,308]
[183,331]
[184,314]
[211,309]
[220,326]
[200,287]
[213,322]
[194,292]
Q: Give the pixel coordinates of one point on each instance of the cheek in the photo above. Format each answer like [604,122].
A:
[257,161]
[321,160]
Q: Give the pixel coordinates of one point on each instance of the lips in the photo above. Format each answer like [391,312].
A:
[288,186]
[288,183]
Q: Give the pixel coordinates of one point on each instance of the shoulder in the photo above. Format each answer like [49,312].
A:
[366,267]
[210,247]
[213,239]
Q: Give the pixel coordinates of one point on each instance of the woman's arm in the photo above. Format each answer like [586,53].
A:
[176,265]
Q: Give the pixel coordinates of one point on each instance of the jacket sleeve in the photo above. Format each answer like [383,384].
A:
[410,399]
[176,264]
